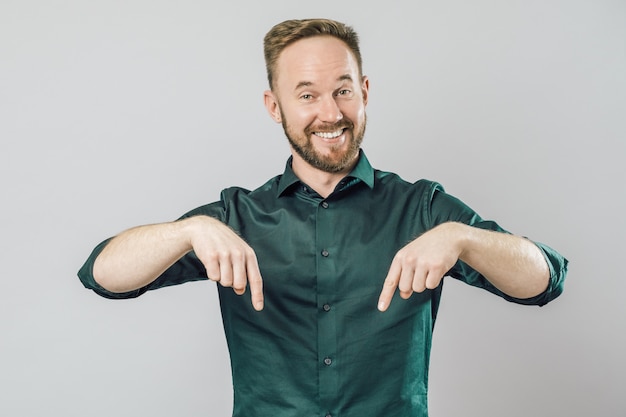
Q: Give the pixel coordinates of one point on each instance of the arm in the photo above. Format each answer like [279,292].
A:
[511,263]
[136,257]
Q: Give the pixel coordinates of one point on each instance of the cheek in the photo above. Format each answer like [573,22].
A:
[299,117]
[355,112]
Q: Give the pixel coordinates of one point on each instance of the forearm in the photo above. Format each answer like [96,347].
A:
[137,256]
[511,263]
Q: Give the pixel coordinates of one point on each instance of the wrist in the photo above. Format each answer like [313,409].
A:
[460,236]
[187,230]
[195,228]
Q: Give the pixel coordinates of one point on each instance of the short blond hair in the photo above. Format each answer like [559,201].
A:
[290,31]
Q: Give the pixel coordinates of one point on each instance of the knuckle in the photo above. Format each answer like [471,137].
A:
[226,281]
[212,269]
[433,282]
[405,258]
[213,276]
[237,253]
[255,279]
[399,256]
[209,258]
[389,282]
[423,263]
[411,258]
[438,265]
[221,254]
[404,287]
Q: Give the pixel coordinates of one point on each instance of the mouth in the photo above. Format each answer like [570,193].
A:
[329,135]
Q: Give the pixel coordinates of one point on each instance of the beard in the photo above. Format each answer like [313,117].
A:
[337,160]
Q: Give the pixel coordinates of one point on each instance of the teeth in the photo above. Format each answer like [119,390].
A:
[329,135]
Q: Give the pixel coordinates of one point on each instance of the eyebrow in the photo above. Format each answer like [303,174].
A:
[344,77]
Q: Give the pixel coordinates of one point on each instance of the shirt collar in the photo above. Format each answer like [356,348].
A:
[362,172]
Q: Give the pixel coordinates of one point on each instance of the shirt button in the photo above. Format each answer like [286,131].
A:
[325,253]
[326,307]
[328,361]
[324,204]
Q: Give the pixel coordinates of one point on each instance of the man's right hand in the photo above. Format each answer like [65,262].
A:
[137,256]
[228,259]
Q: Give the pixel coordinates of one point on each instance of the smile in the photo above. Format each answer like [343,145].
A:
[329,135]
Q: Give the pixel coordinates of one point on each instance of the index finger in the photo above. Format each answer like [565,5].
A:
[389,287]
[255,283]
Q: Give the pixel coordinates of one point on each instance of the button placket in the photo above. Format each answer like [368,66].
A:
[326,291]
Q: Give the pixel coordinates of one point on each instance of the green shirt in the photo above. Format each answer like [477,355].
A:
[320,347]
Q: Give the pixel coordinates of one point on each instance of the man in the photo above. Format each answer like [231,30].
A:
[330,274]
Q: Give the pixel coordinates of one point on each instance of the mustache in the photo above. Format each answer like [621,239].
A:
[329,127]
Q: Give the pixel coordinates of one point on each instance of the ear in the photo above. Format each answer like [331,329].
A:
[272,105]
[365,88]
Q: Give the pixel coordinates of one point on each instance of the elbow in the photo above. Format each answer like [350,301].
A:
[107,280]
[109,287]
[529,286]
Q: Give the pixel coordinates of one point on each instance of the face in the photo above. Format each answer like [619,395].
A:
[320,98]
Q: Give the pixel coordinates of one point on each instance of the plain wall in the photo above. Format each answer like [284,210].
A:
[120,113]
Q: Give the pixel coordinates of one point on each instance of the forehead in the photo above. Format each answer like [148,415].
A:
[315,60]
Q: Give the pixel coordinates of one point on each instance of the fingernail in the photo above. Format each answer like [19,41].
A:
[381,305]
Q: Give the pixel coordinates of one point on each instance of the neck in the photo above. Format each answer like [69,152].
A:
[324,183]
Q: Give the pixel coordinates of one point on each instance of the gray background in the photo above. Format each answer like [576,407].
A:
[119,113]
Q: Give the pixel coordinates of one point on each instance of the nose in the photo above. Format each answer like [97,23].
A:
[329,111]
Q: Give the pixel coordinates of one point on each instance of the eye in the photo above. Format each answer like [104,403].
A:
[344,92]
[306,97]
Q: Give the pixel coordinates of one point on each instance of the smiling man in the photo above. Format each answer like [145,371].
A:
[320,99]
[330,274]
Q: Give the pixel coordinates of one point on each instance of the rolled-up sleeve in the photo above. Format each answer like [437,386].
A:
[444,207]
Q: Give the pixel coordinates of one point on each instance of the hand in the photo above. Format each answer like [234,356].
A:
[422,264]
[227,258]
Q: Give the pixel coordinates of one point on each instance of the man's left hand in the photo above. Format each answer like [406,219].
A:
[422,264]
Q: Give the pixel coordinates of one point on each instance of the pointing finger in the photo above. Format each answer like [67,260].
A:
[389,286]
[255,282]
